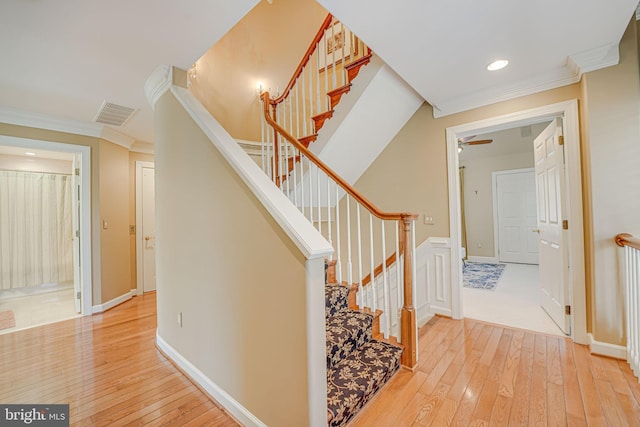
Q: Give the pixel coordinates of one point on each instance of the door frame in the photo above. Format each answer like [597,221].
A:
[568,110]
[139,242]
[494,193]
[85,219]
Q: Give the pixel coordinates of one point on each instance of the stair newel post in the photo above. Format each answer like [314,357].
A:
[408,330]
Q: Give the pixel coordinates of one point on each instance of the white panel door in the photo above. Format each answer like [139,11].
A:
[550,189]
[148,229]
[516,210]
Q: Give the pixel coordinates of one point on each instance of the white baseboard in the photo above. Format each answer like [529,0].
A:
[484,259]
[218,394]
[606,349]
[110,304]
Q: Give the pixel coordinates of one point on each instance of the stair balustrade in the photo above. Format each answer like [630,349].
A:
[362,235]
[631,247]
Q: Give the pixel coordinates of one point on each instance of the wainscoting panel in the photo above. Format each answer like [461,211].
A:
[433,282]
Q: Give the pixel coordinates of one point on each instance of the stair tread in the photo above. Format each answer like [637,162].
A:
[353,382]
[347,332]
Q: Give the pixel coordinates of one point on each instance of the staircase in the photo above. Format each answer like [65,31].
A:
[370,319]
[357,365]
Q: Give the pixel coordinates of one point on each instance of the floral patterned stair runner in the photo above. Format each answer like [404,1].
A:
[357,365]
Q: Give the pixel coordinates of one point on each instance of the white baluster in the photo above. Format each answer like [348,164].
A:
[262,144]
[349,263]
[338,257]
[297,113]
[326,76]
[329,216]
[302,199]
[361,291]
[319,202]
[398,283]
[373,291]
[311,103]
[310,192]
[304,106]
[385,286]
[318,79]
[296,153]
[413,273]
[333,56]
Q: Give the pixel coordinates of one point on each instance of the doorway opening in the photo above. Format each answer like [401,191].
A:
[568,112]
[498,230]
[45,265]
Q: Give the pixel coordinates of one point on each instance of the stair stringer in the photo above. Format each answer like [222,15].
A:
[366,120]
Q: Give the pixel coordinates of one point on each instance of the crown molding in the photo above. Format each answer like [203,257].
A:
[44,121]
[17,117]
[158,83]
[576,66]
[596,58]
[142,147]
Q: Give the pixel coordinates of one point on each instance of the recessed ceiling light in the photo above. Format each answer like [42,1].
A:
[29,153]
[497,65]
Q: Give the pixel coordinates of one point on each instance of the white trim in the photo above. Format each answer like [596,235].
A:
[85,209]
[139,243]
[100,308]
[238,411]
[494,194]
[17,117]
[606,349]
[483,259]
[158,83]
[569,111]
[596,58]
[117,137]
[44,121]
[252,148]
[301,232]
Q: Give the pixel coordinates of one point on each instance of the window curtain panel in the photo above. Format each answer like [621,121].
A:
[36,229]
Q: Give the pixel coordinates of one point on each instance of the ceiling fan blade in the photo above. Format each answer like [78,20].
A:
[479,142]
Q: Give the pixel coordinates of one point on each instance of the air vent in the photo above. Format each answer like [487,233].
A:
[113,114]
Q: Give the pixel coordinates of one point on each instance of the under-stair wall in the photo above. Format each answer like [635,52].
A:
[240,274]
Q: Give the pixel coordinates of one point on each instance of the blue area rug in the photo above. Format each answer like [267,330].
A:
[482,276]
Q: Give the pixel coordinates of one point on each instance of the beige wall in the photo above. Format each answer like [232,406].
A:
[133,158]
[21,163]
[265,46]
[611,122]
[478,198]
[114,211]
[411,173]
[229,268]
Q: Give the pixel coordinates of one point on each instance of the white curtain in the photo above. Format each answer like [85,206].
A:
[36,229]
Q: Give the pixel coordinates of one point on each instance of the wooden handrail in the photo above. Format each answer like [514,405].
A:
[626,239]
[392,216]
[376,272]
[305,59]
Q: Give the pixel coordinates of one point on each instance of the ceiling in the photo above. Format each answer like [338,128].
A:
[441,48]
[35,154]
[506,142]
[62,59]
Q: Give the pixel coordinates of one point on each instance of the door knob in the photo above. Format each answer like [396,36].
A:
[536,230]
[148,237]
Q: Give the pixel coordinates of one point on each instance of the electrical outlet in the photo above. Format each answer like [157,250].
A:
[428,220]
[132,229]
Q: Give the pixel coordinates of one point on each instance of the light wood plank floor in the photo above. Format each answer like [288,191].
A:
[107,368]
[472,373]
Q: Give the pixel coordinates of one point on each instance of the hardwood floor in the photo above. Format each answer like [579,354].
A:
[107,368]
[472,373]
